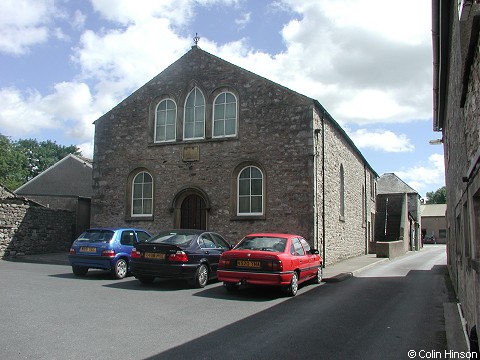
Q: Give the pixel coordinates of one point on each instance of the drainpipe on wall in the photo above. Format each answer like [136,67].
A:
[323,188]
[365,203]
[316,236]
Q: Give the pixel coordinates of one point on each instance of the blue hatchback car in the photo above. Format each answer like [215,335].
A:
[105,248]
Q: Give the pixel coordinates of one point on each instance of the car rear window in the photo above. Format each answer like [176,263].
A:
[173,238]
[96,236]
[262,243]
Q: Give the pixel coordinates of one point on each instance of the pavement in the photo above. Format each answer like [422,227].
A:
[456,337]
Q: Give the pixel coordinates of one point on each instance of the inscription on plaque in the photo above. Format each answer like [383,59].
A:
[190,153]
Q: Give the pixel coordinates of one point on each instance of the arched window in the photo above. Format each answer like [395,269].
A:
[250,191]
[342,193]
[194,122]
[165,117]
[225,115]
[142,194]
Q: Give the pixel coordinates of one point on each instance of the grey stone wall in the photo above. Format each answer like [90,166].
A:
[274,129]
[461,134]
[344,237]
[27,229]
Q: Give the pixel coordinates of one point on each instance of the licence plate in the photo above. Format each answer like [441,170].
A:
[149,255]
[248,264]
[88,249]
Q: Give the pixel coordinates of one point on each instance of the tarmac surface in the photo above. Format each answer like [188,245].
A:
[456,337]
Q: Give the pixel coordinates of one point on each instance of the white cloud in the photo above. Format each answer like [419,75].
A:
[24,23]
[129,12]
[69,107]
[78,21]
[383,140]
[368,66]
[371,68]
[243,20]
[425,177]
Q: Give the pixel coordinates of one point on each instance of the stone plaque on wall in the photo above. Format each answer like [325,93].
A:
[191,153]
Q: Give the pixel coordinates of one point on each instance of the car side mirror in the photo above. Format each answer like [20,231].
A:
[314,251]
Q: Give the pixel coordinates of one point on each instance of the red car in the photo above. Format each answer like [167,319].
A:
[283,260]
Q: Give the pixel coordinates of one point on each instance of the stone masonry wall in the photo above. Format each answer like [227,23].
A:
[348,236]
[344,237]
[274,131]
[26,229]
[461,135]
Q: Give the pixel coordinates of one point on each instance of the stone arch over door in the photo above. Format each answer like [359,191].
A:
[190,208]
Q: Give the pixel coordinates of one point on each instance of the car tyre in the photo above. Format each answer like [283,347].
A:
[79,270]
[146,279]
[293,287]
[231,287]
[201,276]
[120,269]
[318,278]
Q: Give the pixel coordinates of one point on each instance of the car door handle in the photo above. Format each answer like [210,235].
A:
[207,252]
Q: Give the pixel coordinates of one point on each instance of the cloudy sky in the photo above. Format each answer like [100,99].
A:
[64,63]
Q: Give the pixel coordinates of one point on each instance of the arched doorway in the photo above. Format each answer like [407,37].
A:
[193,213]
[190,207]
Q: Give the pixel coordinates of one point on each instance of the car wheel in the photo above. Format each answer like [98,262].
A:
[201,276]
[146,279]
[79,270]
[120,269]
[231,287]
[318,278]
[293,287]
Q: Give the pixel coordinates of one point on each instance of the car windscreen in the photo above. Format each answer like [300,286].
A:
[262,243]
[180,238]
[96,236]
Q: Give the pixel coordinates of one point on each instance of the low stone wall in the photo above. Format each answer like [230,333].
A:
[390,249]
[32,229]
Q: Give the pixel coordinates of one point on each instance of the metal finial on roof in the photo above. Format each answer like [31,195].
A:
[196,39]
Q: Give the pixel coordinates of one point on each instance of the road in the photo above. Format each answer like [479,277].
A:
[381,313]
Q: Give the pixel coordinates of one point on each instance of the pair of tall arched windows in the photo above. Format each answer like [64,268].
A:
[224,120]
[250,193]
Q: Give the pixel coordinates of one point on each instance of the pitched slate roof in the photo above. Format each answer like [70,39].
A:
[71,176]
[389,183]
[433,210]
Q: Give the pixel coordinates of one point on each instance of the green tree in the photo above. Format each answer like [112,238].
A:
[41,155]
[437,197]
[11,160]
[22,160]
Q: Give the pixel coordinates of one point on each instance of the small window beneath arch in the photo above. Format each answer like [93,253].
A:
[142,195]
[165,119]
[250,191]
[225,115]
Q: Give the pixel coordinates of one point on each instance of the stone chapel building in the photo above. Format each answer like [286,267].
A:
[207,144]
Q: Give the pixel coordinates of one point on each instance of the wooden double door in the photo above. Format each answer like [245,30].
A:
[193,213]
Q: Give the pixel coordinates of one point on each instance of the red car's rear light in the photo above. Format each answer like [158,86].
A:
[108,253]
[72,251]
[275,265]
[135,254]
[178,256]
[224,263]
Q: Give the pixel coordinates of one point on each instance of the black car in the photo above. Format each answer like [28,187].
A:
[191,255]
